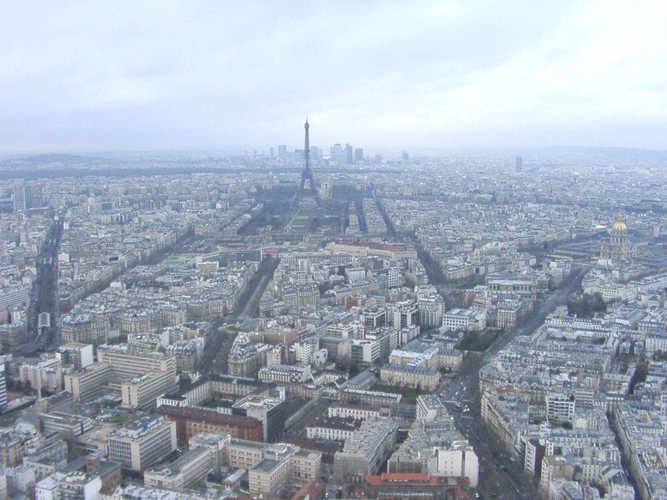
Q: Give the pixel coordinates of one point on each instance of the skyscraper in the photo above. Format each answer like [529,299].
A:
[337,153]
[519,164]
[359,154]
[27,197]
[349,153]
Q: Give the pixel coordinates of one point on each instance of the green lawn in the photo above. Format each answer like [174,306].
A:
[117,419]
[212,403]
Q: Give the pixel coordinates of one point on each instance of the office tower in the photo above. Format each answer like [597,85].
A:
[282,151]
[87,384]
[337,152]
[125,365]
[140,378]
[143,444]
[349,153]
[359,154]
[27,197]
[519,164]
[142,392]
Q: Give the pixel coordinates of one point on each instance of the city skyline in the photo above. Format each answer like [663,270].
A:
[425,77]
[333,249]
[477,303]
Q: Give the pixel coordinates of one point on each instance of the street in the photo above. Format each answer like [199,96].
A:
[500,474]
[44,294]
[215,358]
[248,304]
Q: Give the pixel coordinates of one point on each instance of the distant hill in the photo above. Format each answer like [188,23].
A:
[50,158]
[605,153]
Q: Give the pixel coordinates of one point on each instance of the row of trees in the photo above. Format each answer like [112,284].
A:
[586,305]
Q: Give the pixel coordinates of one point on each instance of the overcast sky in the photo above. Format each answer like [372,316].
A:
[194,75]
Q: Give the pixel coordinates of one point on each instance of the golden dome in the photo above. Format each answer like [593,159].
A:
[619,225]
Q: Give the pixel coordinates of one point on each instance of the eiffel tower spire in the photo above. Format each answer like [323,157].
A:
[307,174]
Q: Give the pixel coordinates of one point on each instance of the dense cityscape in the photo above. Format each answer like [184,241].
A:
[326,323]
[312,250]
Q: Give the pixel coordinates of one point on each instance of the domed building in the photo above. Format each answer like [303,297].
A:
[618,247]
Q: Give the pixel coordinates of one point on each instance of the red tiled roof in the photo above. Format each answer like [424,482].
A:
[211,416]
[311,490]
[415,479]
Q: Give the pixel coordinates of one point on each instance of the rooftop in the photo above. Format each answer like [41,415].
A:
[266,465]
[210,416]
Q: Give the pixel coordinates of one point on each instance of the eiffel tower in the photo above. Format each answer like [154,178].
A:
[306,175]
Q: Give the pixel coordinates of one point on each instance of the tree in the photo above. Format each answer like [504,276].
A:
[587,305]
[641,371]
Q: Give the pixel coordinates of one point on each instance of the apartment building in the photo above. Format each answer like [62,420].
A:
[417,377]
[187,470]
[143,444]
[190,421]
[366,450]
[464,319]
[286,463]
[354,411]
[332,428]
[141,392]
[126,366]
[87,384]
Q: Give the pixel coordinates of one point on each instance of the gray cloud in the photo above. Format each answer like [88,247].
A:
[220,75]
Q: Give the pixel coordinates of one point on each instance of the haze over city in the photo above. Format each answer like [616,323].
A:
[313,250]
[220,76]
